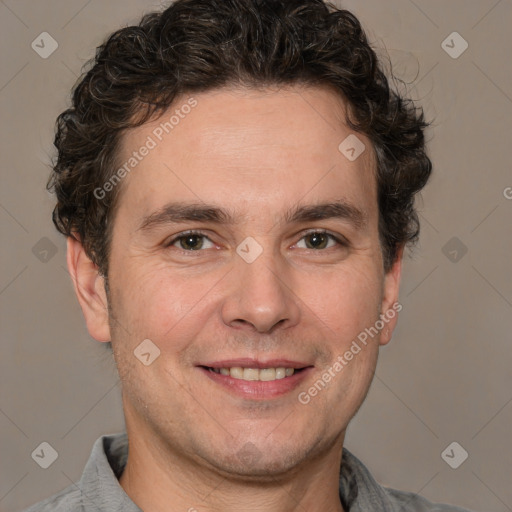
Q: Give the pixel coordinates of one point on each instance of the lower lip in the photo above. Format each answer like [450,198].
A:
[258,389]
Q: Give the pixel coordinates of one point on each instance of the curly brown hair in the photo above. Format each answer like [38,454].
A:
[199,45]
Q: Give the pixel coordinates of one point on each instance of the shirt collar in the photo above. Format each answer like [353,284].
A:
[99,485]
[359,492]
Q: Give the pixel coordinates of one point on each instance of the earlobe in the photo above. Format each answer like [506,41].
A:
[90,290]
[390,303]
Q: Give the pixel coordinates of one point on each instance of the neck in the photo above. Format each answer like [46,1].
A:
[160,479]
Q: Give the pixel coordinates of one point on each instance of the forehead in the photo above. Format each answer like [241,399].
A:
[248,149]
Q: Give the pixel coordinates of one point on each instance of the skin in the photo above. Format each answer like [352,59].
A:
[259,153]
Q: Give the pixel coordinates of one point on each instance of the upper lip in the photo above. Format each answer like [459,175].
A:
[255,363]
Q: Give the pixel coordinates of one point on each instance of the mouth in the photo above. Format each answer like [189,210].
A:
[256,379]
[252,374]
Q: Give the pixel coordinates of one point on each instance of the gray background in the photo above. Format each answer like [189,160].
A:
[447,374]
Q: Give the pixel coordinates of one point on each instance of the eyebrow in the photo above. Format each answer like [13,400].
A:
[177,212]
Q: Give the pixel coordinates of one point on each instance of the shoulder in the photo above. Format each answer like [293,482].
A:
[67,500]
[98,488]
[362,492]
[411,502]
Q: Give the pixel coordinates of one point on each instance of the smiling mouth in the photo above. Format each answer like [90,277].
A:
[255,374]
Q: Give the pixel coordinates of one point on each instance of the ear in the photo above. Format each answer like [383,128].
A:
[89,288]
[390,305]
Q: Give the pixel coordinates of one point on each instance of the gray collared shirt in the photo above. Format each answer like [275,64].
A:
[99,490]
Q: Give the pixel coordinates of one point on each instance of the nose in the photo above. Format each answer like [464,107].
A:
[261,296]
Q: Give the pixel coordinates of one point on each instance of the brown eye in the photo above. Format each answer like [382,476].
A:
[317,241]
[320,240]
[191,242]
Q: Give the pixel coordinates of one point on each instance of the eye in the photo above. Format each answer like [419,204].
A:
[191,241]
[320,240]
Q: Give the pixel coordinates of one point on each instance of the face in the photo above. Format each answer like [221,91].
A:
[246,248]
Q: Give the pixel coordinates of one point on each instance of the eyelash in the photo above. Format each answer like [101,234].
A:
[340,241]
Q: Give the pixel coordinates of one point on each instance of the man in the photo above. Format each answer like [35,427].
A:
[236,181]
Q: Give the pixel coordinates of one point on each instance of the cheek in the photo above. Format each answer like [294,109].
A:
[159,303]
[347,300]
[154,301]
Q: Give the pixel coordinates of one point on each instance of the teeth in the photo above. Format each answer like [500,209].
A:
[264,374]
[251,374]
[237,372]
[267,374]
[281,373]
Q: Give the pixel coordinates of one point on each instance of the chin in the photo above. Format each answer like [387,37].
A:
[263,469]
[259,461]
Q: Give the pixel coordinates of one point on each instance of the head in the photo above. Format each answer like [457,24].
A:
[270,130]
